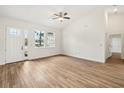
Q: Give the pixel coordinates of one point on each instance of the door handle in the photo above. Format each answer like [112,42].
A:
[21,47]
[26,42]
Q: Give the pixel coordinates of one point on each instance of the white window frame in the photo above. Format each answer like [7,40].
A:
[54,42]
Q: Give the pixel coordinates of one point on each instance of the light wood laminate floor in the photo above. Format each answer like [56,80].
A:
[63,71]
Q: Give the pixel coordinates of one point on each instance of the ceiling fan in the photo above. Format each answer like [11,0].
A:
[61,16]
[115,10]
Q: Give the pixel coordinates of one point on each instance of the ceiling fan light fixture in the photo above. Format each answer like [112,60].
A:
[115,10]
[60,19]
[61,16]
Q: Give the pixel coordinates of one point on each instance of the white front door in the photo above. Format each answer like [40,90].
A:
[14,45]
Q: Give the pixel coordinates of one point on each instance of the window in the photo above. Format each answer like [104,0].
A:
[39,39]
[14,31]
[26,43]
[50,39]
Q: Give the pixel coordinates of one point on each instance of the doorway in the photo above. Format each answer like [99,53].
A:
[115,45]
[16,44]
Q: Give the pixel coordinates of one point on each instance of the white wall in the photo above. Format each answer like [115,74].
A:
[2,45]
[34,52]
[116,23]
[122,49]
[85,38]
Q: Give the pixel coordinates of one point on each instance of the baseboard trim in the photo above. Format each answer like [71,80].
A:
[33,59]
[67,56]
[2,64]
[44,57]
[82,58]
[55,56]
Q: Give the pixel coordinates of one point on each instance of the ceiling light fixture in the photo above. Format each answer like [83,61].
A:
[115,10]
[61,16]
[60,19]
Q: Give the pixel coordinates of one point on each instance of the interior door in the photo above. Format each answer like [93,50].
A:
[14,45]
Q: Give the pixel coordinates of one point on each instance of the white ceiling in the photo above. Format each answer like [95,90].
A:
[42,14]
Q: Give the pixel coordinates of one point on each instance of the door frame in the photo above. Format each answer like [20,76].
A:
[5,37]
[109,38]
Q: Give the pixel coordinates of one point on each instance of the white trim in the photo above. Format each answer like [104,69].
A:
[94,60]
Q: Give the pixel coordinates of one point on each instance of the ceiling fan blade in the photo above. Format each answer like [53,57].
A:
[56,15]
[55,18]
[65,13]
[66,17]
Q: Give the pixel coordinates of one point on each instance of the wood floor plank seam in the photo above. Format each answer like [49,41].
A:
[63,72]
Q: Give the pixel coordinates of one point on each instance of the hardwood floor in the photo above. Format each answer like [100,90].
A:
[62,71]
